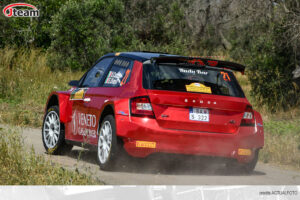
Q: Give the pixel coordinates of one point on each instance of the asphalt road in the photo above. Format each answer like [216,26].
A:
[164,169]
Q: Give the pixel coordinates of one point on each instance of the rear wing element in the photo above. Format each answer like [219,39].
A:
[200,62]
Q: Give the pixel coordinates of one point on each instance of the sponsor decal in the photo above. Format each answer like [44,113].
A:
[244,152]
[84,124]
[212,63]
[196,62]
[145,144]
[78,94]
[198,87]
[122,113]
[13,10]
[192,71]
[113,78]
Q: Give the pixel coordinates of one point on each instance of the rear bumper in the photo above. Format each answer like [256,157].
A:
[134,130]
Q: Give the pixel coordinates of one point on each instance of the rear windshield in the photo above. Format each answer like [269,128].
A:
[191,79]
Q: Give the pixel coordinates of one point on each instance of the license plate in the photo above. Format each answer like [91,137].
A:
[199,114]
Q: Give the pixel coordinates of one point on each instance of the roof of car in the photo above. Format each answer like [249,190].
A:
[139,55]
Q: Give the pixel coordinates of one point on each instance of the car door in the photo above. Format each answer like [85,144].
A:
[83,126]
[111,87]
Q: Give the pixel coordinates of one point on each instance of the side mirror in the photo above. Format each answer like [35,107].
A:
[74,83]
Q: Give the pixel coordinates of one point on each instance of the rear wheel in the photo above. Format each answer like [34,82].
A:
[53,133]
[235,166]
[108,147]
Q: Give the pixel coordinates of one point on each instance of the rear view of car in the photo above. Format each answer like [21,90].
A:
[195,109]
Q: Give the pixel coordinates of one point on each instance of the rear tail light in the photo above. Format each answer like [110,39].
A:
[248,117]
[141,107]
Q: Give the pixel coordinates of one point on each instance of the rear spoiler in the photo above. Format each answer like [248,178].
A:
[200,62]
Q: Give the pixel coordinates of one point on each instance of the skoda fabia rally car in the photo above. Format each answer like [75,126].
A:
[146,103]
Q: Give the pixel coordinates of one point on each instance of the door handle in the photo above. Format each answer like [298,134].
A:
[87,99]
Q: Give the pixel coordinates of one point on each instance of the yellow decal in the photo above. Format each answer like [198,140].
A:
[144,144]
[78,94]
[117,54]
[198,87]
[244,152]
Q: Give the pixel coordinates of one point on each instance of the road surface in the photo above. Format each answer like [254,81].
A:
[163,169]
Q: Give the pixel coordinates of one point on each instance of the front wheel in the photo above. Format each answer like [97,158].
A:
[108,147]
[53,133]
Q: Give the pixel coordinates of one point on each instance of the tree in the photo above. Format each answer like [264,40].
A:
[29,31]
[82,31]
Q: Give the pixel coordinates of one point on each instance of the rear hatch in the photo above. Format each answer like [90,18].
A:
[194,98]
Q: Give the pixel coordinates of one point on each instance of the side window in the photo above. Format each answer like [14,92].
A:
[94,76]
[119,73]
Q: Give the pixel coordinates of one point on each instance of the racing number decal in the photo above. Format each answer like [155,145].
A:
[78,94]
[225,76]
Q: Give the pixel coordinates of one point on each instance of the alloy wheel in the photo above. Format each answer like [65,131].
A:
[51,129]
[104,142]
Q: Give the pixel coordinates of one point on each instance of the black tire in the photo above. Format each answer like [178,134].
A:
[235,166]
[115,148]
[60,146]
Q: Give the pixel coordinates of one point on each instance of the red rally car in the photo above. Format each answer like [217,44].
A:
[147,102]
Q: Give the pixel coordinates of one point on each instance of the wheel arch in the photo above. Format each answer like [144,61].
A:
[62,101]
[108,109]
[53,101]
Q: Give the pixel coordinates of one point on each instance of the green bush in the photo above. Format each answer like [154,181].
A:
[83,31]
[270,67]
[99,28]
[269,60]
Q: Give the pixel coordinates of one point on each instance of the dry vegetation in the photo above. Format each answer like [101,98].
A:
[26,82]
[19,167]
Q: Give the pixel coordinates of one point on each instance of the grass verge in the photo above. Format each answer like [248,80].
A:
[25,83]
[19,167]
[282,142]
[282,132]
